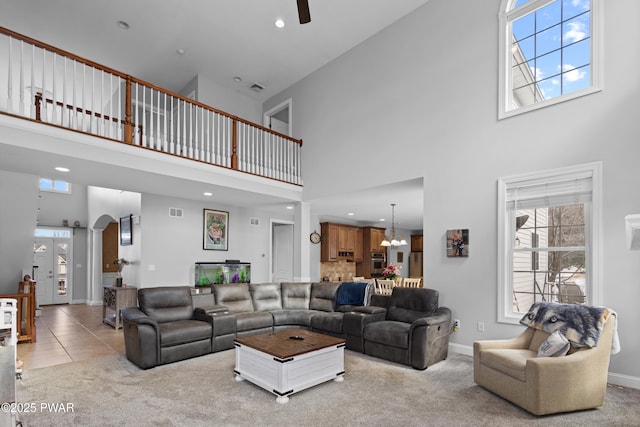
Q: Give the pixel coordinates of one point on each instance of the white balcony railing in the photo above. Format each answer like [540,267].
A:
[43,83]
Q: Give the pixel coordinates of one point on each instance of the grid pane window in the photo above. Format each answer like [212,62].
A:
[550,55]
[549,255]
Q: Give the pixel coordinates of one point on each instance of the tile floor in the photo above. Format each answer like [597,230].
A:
[68,333]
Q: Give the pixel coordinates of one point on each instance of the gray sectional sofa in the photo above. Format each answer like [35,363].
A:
[170,324]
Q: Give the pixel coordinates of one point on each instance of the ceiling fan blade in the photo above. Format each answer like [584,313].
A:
[303,11]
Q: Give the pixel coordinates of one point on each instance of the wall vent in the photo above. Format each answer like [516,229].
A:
[254,221]
[175,212]
[257,87]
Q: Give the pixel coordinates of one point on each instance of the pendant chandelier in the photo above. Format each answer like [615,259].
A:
[393,240]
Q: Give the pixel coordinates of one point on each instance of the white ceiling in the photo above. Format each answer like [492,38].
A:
[222,39]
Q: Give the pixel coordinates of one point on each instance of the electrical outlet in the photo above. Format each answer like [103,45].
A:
[456,325]
[480,326]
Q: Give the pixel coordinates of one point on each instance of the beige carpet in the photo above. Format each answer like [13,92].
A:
[111,391]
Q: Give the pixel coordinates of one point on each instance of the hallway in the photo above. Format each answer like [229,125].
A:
[69,333]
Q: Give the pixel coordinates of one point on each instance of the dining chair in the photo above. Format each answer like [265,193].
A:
[411,282]
[384,286]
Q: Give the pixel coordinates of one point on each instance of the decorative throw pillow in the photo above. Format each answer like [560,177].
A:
[554,346]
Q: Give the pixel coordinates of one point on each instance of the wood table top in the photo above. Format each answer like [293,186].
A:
[282,346]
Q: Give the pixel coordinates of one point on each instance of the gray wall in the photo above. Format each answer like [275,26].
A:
[18,213]
[426,89]
[172,246]
[23,206]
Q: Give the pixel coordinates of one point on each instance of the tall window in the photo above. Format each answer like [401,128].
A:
[549,52]
[549,239]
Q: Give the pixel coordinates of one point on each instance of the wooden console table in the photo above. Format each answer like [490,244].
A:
[115,299]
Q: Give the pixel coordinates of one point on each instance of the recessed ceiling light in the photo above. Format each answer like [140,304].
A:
[62,169]
[180,51]
[382,220]
[237,79]
[279,23]
[350,214]
[289,207]
[207,194]
[123,25]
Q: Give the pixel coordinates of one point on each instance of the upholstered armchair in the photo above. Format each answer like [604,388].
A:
[165,327]
[415,331]
[544,385]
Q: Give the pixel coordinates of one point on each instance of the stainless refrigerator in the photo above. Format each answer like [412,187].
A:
[415,264]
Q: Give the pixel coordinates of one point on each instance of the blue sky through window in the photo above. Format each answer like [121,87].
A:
[555,41]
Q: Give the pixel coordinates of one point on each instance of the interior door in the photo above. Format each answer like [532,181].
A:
[282,252]
[43,258]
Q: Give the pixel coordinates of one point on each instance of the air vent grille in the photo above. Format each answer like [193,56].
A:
[257,87]
[254,221]
[175,212]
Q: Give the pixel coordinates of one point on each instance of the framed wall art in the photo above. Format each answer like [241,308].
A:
[126,232]
[458,242]
[215,230]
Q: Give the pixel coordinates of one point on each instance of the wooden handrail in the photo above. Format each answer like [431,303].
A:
[130,79]
[38,102]
[28,333]
[126,125]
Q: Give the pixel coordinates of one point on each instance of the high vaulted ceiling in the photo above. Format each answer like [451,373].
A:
[222,39]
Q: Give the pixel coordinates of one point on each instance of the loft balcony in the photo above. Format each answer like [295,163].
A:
[47,85]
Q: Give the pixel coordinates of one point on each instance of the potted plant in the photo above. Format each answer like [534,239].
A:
[120,263]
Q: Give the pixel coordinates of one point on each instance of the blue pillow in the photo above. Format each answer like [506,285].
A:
[351,293]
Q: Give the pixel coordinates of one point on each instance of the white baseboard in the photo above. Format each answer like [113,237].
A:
[94,303]
[467,350]
[621,380]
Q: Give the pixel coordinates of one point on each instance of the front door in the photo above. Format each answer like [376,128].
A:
[53,260]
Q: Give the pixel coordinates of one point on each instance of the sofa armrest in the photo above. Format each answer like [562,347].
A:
[141,338]
[429,338]
[212,309]
[369,309]
[354,322]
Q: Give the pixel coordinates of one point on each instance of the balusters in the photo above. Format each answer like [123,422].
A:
[164,126]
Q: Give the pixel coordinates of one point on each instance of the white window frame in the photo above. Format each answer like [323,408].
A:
[505,95]
[53,186]
[594,291]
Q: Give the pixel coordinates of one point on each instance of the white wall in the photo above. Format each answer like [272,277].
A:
[18,214]
[426,89]
[172,246]
[230,101]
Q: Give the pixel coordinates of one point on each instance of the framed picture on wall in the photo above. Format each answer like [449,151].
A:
[126,232]
[458,242]
[215,230]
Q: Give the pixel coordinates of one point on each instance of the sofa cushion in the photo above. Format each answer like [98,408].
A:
[183,331]
[266,296]
[512,362]
[251,320]
[330,322]
[292,317]
[323,296]
[235,296]
[296,296]
[391,333]
[166,304]
[409,304]
[555,346]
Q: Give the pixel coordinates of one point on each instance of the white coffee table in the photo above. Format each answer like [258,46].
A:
[289,361]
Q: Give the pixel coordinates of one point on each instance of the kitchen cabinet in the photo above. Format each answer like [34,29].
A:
[358,252]
[372,236]
[340,242]
[329,243]
[416,243]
